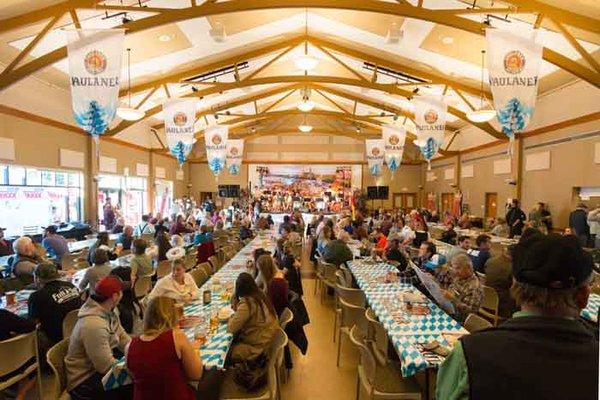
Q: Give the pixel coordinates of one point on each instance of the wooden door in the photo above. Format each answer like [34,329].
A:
[447,202]
[405,200]
[491,205]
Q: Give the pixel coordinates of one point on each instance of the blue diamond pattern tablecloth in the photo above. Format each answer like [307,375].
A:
[383,297]
[590,312]
[214,352]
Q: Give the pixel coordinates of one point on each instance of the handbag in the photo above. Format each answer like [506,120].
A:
[251,374]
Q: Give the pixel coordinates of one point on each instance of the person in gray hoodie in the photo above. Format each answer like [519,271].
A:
[99,270]
[97,341]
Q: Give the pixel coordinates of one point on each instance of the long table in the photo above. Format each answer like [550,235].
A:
[405,330]
[214,352]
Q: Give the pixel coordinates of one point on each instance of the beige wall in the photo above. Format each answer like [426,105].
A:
[406,180]
[38,145]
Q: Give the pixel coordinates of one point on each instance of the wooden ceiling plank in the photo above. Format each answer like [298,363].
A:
[577,46]
[75,18]
[278,101]
[167,92]
[271,61]
[25,52]
[462,96]
[335,103]
[35,16]
[343,64]
[146,97]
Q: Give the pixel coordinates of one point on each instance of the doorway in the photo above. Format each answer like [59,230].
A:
[405,200]
[491,205]
[447,202]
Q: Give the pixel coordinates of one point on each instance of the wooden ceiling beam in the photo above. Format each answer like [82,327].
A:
[270,62]
[239,101]
[382,7]
[577,46]
[306,80]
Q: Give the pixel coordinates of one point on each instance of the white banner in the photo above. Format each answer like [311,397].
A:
[374,149]
[430,120]
[179,116]
[235,153]
[514,65]
[95,72]
[215,138]
[393,140]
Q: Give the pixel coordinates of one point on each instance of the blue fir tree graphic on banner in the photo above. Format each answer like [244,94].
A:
[429,150]
[180,151]
[216,165]
[513,117]
[375,169]
[234,169]
[94,120]
[393,164]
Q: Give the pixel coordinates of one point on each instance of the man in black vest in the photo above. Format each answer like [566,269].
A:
[544,351]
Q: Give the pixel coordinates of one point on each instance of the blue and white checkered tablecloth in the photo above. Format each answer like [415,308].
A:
[214,352]
[385,299]
[590,312]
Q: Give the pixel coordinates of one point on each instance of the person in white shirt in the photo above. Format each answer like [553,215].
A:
[178,285]
[144,227]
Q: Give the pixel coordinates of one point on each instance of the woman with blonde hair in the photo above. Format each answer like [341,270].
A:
[162,360]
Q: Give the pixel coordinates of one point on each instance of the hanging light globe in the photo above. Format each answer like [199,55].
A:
[130,114]
[306,105]
[306,62]
[305,128]
[482,115]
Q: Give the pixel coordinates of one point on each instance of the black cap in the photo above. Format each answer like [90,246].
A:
[51,229]
[551,262]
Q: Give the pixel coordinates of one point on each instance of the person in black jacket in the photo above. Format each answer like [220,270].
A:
[578,224]
[515,218]
[544,351]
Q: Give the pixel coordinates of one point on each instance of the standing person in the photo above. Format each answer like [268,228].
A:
[55,244]
[546,218]
[162,360]
[109,215]
[544,351]
[593,221]
[578,224]
[515,218]
[5,246]
[144,227]
[98,340]
[52,301]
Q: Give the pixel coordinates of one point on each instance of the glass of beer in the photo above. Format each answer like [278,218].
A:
[11,298]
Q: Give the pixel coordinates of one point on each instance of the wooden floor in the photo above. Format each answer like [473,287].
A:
[315,375]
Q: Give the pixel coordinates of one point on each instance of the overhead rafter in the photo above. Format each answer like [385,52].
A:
[165,16]
[240,101]
[389,88]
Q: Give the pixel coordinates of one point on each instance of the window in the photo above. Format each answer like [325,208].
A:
[128,195]
[33,197]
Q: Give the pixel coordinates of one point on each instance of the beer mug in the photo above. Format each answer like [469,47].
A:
[11,298]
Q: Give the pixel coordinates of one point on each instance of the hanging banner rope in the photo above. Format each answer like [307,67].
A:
[514,65]
[430,120]
[374,148]
[235,153]
[393,140]
[95,73]
[215,138]
[179,116]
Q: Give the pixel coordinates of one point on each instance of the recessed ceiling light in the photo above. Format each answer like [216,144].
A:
[165,38]
[447,40]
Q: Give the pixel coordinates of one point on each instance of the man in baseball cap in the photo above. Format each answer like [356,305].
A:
[52,301]
[97,341]
[544,351]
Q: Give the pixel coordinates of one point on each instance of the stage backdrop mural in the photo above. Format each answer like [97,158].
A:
[306,181]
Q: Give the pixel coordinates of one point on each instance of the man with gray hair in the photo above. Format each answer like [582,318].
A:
[465,290]
[24,262]
[544,351]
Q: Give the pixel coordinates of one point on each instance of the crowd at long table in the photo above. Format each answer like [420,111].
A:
[421,290]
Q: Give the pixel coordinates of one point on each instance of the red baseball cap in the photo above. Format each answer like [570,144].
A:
[108,286]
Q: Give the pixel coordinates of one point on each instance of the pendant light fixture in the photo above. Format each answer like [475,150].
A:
[306,104]
[129,113]
[485,112]
[305,127]
[306,62]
